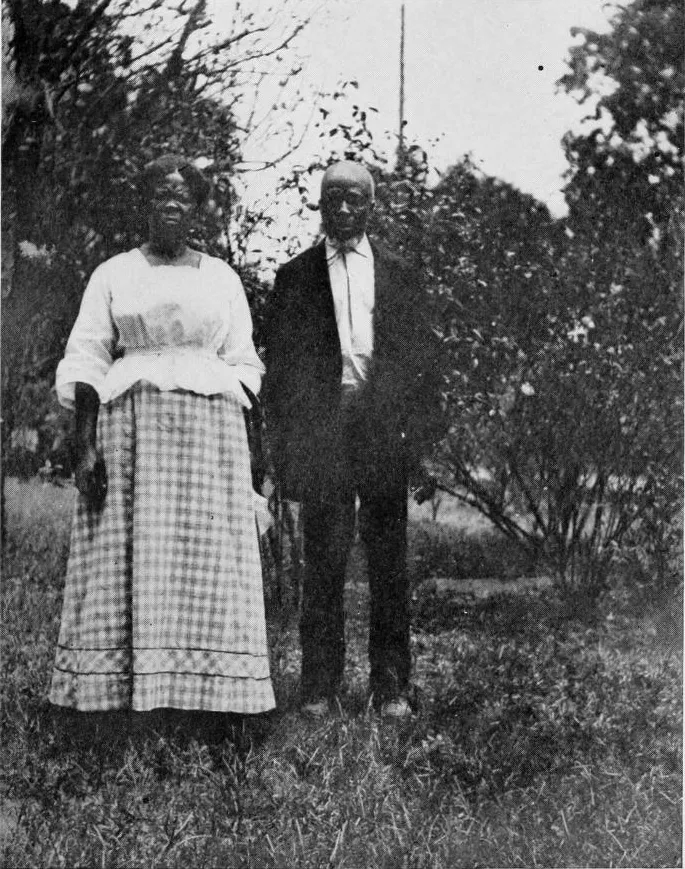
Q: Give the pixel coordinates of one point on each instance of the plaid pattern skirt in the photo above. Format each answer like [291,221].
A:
[163,601]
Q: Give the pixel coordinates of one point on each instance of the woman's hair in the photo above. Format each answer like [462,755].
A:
[167,164]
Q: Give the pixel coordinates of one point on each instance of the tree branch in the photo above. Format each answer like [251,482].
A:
[175,62]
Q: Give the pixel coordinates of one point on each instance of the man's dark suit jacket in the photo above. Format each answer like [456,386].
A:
[302,388]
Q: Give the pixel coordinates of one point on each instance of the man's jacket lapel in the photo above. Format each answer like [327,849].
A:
[322,308]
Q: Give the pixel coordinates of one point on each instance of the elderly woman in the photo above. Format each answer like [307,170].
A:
[163,603]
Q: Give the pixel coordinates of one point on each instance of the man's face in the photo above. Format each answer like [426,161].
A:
[345,208]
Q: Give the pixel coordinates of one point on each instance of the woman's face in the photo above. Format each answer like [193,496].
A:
[171,209]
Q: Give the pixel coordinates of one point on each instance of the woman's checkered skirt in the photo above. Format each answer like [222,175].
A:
[163,602]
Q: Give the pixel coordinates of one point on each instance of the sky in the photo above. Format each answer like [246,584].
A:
[479,77]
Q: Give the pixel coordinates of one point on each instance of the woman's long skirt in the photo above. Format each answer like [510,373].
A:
[163,602]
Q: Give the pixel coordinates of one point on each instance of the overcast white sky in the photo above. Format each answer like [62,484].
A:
[480,76]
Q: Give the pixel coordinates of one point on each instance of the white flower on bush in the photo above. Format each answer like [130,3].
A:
[527,389]
[664,144]
[31,251]
[581,329]
[669,120]
[577,333]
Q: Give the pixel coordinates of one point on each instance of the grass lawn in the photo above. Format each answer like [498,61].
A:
[545,737]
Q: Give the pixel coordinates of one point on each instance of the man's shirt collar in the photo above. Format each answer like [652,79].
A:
[359,245]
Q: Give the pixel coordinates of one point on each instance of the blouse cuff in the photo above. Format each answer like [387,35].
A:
[68,375]
[249,376]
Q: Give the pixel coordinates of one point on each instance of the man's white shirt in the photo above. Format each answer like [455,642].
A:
[352,282]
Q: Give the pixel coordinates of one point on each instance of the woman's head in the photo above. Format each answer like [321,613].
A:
[173,190]
[155,172]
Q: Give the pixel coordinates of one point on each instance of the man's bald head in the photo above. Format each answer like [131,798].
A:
[346,200]
[348,173]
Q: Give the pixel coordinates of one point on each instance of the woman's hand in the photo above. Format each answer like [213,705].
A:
[91,474]
[91,477]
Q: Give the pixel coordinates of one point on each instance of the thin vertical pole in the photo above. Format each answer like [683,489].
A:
[400,144]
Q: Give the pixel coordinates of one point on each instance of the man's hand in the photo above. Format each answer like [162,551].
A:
[425,489]
[91,477]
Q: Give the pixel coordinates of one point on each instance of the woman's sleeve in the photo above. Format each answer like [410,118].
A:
[89,351]
[238,349]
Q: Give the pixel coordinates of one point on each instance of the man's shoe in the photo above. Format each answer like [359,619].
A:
[397,709]
[316,708]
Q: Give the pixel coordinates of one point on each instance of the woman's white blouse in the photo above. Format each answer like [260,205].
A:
[178,327]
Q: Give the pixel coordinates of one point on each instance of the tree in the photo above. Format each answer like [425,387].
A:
[565,398]
[625,194]
[626,168]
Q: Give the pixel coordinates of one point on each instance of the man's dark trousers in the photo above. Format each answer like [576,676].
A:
[328,525]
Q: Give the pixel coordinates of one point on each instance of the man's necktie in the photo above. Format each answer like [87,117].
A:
[350,321]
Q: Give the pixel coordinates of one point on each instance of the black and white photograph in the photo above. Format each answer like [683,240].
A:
[342,434]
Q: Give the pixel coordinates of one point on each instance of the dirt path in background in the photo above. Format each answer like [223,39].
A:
[480,588]
[484,588]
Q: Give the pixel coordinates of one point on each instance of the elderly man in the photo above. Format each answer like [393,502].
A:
[352,398]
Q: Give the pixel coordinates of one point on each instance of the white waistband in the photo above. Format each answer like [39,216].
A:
[170,350]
